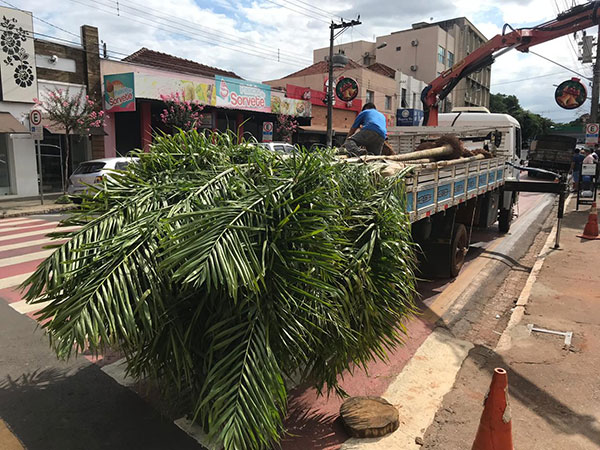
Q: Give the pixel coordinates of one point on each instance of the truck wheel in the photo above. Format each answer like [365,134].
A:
[504,219]
[458,249]
[446,260]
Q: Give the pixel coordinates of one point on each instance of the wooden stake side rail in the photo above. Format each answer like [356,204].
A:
[433,190]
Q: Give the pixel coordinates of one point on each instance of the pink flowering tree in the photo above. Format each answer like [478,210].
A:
[74,112]
[179,113]
[286,127]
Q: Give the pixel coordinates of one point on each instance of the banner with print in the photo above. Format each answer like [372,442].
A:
[242,94]
[119,92]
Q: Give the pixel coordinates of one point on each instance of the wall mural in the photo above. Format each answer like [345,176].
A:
[17,59]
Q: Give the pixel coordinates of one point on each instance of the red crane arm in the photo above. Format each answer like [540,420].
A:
[575,19]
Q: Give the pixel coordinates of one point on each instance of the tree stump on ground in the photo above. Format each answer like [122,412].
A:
[368,417]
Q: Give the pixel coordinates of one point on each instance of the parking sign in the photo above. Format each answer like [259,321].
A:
[591,133]
[267,132]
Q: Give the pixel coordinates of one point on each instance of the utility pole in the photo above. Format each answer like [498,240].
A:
[596,82]
[332,35]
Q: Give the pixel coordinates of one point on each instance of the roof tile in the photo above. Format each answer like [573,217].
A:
[164,61]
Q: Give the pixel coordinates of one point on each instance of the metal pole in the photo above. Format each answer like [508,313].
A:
[40,177]
[330,90]
[596,83]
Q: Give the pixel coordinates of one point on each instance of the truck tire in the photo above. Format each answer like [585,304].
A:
[458,249]
[446,260]
[504,219]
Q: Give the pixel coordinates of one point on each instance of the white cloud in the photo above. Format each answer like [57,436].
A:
[266,39]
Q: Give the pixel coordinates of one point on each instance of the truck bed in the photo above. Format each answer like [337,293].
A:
[433,190]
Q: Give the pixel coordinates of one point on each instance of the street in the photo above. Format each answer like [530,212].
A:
[63,405]
[115,417]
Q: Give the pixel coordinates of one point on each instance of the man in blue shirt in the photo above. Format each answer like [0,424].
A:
[371,135]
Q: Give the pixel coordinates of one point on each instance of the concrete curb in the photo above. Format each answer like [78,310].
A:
[33,212]
[418,391]
[505,341]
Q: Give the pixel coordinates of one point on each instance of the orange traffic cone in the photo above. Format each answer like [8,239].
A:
[591,227]
[495,428]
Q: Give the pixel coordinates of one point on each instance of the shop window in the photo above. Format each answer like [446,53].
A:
[441,54]
[370,97]
[388,102]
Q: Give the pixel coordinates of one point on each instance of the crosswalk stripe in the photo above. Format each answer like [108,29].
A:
[20,223]
[35,233]
[24,258]
[28,244]
[13,281]
[8,232]
[23,307]
[13,220]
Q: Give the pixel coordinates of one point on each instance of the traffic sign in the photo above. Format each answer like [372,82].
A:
[591,133]
[267,132]
[35,117]
[35,125]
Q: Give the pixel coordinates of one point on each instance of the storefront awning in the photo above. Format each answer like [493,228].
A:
[59,129]
[318,129]
[8,124]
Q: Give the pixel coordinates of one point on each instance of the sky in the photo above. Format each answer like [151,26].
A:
[267,39]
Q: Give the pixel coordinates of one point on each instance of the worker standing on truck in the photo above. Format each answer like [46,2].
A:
[371,135]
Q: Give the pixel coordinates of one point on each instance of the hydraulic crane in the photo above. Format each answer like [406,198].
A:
[575,19]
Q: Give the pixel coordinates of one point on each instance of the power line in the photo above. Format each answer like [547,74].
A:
[42,20]
[527,79]
[174,31]
[560,65]
[215,32]
[328,13]
[298,12]
[202,33]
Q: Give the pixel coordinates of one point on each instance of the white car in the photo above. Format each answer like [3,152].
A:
[282,147]
[91,172]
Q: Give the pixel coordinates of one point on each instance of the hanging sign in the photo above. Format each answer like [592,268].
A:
[591,133]
[570,94]
[119,92]
[346,89]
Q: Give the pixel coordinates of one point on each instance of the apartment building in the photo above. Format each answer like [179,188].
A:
[423,52]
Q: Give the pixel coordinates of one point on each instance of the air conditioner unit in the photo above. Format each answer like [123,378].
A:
[414,42]
[414,68]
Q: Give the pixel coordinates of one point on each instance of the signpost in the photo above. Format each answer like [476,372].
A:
[37,133]
[267,132]
[591,133]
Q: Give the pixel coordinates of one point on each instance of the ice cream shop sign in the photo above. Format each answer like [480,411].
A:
[119,92]
[242,94]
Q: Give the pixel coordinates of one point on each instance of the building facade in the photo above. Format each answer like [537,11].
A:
[228,101]
[424,52]
[42,66]
[377,86]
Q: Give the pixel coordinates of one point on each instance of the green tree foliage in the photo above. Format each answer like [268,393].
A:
[221,269]
[532,125]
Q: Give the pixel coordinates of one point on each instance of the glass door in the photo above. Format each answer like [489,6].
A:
[4,166]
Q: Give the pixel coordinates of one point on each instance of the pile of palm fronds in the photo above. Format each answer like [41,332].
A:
[219,269]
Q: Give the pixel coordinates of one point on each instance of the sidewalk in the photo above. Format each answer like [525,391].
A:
[554,389]
[28,207]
